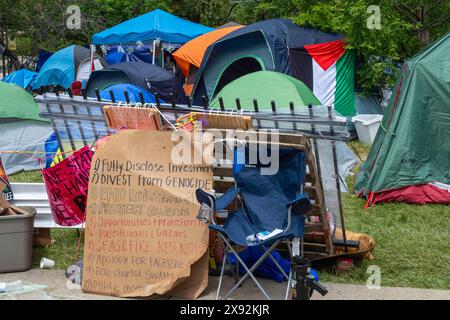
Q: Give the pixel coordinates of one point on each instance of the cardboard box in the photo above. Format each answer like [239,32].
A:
[42,237]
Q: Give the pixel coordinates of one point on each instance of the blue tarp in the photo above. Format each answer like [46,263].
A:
[22,78]
[367,105]
[133,93]
[156,24]
[137,53]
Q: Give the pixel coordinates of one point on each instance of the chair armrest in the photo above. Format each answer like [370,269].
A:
[205,197]
[300,205]
[213,204]
[219,203]
[229,196]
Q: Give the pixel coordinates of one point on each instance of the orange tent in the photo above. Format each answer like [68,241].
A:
[192,52]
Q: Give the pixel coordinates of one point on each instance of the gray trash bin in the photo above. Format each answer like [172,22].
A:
[16,241]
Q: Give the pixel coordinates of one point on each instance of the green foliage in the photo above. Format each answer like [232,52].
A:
[406,27]
[209,12]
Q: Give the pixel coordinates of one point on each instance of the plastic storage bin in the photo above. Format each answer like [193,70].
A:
[367,126]
[16,241]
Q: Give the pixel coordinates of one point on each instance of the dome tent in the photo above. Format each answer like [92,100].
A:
[317,58]
[150,77]
[189,57]
[21,129]
[133,94]
[265,86]
[66,66]
[409,159]
[23,78]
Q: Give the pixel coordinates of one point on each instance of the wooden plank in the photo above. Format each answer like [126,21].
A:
[228,172]
[222,186]
[311,191]
[316,234]
[284,138]
[225,121]
[223,172]
[313,227]
[315,247]
[315,255]
[315,237]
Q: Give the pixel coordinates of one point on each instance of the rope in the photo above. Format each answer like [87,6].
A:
[387,131]
[77,248]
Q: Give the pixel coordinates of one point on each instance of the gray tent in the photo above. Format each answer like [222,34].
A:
[22,132]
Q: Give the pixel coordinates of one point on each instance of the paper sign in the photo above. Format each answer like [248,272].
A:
[67,184]
[142,235]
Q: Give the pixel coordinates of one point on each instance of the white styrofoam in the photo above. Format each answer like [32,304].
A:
[35,195]
[367,126]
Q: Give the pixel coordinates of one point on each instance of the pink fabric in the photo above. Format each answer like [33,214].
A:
[67,186]
[420,194]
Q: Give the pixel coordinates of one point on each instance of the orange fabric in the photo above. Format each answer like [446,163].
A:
[188,88]
[192,52]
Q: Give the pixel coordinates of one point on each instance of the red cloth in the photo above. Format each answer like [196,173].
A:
[326,54]
[67,186]
[420,194]
[76,88]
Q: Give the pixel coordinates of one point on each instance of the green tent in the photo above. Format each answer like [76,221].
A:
[17,103]
[23,132]
[265,87]
[412,146]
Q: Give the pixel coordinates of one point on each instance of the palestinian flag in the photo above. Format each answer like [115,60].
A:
[328,69]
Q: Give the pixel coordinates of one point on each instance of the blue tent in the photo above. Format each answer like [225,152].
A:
[133,93]
[156,24]
[67,65]
[144,75]
[22,78]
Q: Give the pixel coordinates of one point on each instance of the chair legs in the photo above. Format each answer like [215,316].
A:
[288,288]
[249,271]
[222,271]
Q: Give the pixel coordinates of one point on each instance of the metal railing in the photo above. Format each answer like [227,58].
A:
[80,121]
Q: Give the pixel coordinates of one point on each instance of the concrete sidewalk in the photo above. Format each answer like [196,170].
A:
[51,285]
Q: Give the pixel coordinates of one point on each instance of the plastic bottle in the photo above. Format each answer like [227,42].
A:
[10,286]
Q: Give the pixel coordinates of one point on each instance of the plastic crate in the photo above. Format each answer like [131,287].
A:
[16,241]
[367,126]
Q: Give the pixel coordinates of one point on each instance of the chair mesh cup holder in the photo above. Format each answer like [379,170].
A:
[204,213]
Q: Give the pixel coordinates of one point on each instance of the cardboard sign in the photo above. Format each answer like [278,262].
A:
[6,209]
[67,185]
[132,118]
[142,235]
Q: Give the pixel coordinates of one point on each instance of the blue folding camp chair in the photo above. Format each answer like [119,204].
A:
[269,202]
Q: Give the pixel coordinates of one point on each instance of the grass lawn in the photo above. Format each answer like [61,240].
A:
[28,176]
[412,242]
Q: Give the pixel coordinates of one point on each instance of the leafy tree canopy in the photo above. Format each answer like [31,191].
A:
[406,26]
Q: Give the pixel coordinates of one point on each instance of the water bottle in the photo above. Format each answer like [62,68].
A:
[10,286]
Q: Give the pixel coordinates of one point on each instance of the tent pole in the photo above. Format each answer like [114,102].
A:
[154,52]
[92,58]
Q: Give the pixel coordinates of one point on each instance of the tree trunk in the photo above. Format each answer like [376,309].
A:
[424,37]
[11,55]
